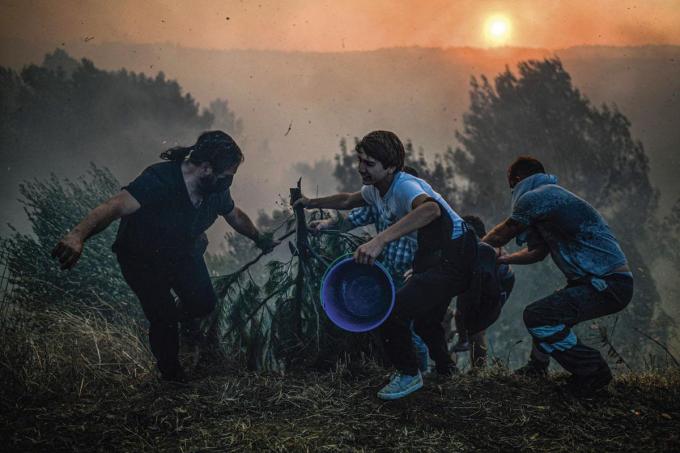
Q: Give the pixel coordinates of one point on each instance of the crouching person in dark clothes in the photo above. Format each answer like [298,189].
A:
[552,220]
[160,243]
[480,306]
[442,267]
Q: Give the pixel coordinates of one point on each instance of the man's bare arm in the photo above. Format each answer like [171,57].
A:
[502,233]
[341,201]
[240,222]
[525,256]
[340,222]
[423,213]
[70,247]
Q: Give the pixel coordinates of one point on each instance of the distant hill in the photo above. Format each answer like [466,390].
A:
[420,93]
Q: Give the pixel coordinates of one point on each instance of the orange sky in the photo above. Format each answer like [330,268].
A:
[336,25]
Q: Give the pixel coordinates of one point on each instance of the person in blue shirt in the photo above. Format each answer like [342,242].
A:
[160,243]
[442,267]
[552,220]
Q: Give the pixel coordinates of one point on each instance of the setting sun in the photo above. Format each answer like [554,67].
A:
[497,30]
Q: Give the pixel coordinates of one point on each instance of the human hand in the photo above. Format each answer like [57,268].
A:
[408,274]
[367,253]
[302,201]
[316,226]
[502,259]
[68,250]
[266,242]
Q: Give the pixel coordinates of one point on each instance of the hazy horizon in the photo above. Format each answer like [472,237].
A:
[352,24]
[323,97]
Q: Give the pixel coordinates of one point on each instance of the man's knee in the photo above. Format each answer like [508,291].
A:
[425,327]
[392,323]
[532,316]
[159,309]
[200,304]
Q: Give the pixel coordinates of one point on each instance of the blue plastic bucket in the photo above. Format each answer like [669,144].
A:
[357,297]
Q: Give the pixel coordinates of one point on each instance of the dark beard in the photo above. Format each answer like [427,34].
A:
[209,185]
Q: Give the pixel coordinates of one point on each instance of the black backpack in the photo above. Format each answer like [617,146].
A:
[490,287]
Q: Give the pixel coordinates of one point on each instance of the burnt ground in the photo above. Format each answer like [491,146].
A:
[230,410]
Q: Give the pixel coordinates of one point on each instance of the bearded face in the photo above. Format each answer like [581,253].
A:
[214,184]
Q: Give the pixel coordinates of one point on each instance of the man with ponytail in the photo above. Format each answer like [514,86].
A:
[161,239]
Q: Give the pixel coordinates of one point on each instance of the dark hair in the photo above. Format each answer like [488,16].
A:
[410,170]
[385,147]
[525,166]
[215,147]
[476,224]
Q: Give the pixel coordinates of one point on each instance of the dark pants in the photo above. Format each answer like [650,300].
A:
[152,281]
[424,300]
[550,320]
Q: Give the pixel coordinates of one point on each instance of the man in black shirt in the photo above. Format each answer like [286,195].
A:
[164,213]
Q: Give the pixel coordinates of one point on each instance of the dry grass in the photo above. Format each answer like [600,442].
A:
[55,354]
[83,385]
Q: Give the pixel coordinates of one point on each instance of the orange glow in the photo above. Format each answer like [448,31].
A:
[497,30]
[328,25]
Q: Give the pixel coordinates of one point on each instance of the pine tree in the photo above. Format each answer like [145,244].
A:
[53,207]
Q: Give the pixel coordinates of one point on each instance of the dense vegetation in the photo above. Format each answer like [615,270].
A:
[74,361]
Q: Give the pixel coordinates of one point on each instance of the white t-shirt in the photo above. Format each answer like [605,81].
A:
[398,200]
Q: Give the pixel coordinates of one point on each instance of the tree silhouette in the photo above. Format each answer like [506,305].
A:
[590,149]
[75,111]
[539,112]
[53,206]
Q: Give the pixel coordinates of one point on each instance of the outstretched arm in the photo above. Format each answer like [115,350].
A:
[525,256]
[502,233]
[70,247]
[240,222]
[340,222]
[341,201]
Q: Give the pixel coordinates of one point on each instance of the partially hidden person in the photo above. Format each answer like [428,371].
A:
[480,306]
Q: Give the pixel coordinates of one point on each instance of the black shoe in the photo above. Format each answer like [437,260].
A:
[533,369]
[447,370]
[461,345]
[175,375]
[589,385]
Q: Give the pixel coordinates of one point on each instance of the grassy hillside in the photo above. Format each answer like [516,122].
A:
[74,383]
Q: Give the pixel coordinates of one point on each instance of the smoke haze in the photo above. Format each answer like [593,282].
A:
[349,25]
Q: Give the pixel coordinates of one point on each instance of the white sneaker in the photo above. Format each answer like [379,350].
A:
[401,385]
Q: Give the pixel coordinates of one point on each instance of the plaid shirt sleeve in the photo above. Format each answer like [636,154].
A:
[398,256]
[362,216]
